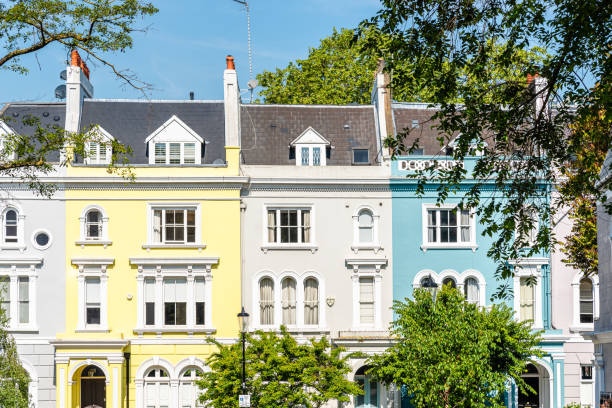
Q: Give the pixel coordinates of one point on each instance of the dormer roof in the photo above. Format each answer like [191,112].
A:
[174,129]
[310,136]
[101,132]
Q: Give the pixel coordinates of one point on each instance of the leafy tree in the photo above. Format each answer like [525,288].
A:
[455,354]
[279,372]
[454,45]
[96,28]
[13,377]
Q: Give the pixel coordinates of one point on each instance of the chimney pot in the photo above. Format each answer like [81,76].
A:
[191,95]
[230,62]
[76,61]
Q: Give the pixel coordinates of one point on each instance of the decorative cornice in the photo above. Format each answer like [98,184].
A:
[93,343]
[175,261]
[93,261]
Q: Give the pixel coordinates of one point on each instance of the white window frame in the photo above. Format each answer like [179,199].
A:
[100,137]
[167,133]
[366,268]
[20,244]
[471,244]
[523,269]
[576,325]
[83,239]
[460,279]
[299,301]
[267,245]
[160,269]
[21,268]
[310,139]
[151,207]
[375,244]
[92,268]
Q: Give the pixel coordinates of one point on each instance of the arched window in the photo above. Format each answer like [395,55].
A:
[157,389]
[10,226]
[288,301]
[471,290]
[266,301]
[311,301]
[366,227]
[188,390]
[449,281]
[93,225]
[586,300]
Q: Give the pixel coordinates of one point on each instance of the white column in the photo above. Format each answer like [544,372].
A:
[104,300]
[14,300]
[278,303]
[355,279]
[299,303]
[378,300]
[174,393]
[116,387]
[159,297]
[33,306]
[140,300]
[81,302]
[190,301]
[61,385]
[208,301]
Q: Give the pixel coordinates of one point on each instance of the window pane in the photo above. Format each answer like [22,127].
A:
[311,301]
[5,294]
[289,301]
[92,290]
[444,218]
[11,215]
[149,313]
[472,291]
[365,234]
[526,301]
[199,312]
[272,226]
[266,301]
[169,313]
[24,297]
[181,313]
[305,154]
[160,153]
[360,156]
[175,153]
[189,153]
[316,156]
[305,225]
[93,315]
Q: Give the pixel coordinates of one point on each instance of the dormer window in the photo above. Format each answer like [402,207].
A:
[310,149]
[99,150]
[175,143]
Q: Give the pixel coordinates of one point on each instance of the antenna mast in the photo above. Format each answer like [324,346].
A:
[252,82]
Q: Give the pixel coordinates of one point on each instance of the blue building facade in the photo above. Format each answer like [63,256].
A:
[448,246]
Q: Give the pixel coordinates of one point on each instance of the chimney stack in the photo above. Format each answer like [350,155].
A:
[78,88]
[381,99]
[537,85]
[231,102]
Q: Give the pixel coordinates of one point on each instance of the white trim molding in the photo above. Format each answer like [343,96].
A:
[426,245]
[300,280]
[367,268]
[92,268]
[375,244]
[576,325]
[103,238]
[22,268]
[157,269]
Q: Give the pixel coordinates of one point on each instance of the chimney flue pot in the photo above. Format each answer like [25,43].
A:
[191,95]
[230,62]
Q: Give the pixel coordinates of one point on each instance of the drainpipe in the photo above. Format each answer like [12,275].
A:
[127,379]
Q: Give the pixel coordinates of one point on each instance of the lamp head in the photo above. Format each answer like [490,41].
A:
[243,320]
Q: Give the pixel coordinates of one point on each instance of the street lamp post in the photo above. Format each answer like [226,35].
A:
[431,286]
[243,322]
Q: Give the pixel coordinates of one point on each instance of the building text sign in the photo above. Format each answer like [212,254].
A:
[422,164]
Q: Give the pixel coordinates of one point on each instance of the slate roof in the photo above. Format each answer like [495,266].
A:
[403,116]
[49,114]
[131,121]
[268,130]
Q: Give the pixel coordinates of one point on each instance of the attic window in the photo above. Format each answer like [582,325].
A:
[309,149]
[175,153]
[175,143]
[361,156]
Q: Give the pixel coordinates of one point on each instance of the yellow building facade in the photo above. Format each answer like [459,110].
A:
[153,265]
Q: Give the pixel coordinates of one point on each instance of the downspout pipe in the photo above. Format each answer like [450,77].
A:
[127,379]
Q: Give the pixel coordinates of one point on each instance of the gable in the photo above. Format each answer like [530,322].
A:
[99,132]
[5,129]
[310,136]
[174,130]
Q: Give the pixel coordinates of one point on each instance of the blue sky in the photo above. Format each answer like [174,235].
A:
[185,47]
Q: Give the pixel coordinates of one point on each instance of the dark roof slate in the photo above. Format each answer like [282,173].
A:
[268,130]
[49,114]
[131,122]
[403,117]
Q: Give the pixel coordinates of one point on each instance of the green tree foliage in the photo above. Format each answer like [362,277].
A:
[580,191]
[279,373]
[453,353]
[455,45]
[96,28]
[13,377]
